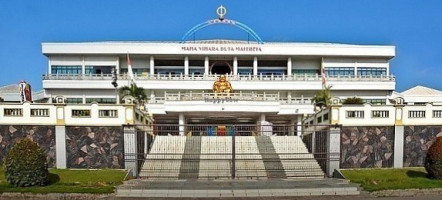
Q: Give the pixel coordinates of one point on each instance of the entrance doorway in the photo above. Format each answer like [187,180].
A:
[221,67]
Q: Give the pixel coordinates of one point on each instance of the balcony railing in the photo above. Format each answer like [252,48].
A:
[232,97]
[211,77]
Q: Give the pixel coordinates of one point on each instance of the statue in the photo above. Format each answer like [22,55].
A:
[222,85]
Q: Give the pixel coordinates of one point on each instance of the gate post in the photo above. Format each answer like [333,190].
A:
[130,149]
[333,149]
[233,155]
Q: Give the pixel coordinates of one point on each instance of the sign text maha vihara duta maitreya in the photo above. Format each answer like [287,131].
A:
[203,48]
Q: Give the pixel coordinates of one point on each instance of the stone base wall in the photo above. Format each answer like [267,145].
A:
[94,147]
[367,147]
[417,140]
[44,136]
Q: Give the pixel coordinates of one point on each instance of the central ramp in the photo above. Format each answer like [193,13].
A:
[211,158]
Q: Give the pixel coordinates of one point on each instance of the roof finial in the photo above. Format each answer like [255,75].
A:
[221,11]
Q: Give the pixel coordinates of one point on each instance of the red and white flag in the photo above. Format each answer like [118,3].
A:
[130,73]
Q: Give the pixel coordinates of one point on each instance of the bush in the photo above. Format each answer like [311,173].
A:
[353,100]
[433,160]
[25,165]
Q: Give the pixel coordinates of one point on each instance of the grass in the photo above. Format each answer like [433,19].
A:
[390,179]
[72,181]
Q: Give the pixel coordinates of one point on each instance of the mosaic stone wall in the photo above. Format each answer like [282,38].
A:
[367,147]
[417,140]
[44,136]
[94,147]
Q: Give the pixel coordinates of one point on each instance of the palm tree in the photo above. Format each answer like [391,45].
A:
[322,97]
[137,92]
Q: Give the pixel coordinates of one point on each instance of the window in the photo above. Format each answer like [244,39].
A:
[74,100]
[81,113]
[269,72]
[325,116]
[245,70]
[303,72]
[373,71]
[375,101]
[339,71]
[196,71]
[101,100]
[60,69]
[319,119]
[13,112]
[108,113]
[171,71]
[416,114]
[355,114]
[39,112]
[380,114]
[437,113]
[98,69]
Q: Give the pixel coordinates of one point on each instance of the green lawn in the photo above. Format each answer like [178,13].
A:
[390,179]
[72,181]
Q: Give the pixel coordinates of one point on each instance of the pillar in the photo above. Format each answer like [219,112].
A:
[181,123]
[186,65]
[255,66]
[60,146]
[292,127]
[262,117]
[299,126]
[333,150]
[117,67]
[152,65]
[289,66]
[206,65]
[130,149]
[235,65]
[83,66]
[398,161]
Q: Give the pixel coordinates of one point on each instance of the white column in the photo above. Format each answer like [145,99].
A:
[289,66]
[299,126]
[292,127]
[152,95]
[130,149]
[117,66]
[49,65]
[181,123]
[255,65]
[152,65]
[83,66]
[289,96]
[206,65]
[235,65]
[398,157]
[262,117]
[334,150]
[60,146]
[186,65]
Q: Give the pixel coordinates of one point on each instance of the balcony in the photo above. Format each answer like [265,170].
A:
[193,77]
[232,97]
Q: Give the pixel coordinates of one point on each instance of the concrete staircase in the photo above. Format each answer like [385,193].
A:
[210,157]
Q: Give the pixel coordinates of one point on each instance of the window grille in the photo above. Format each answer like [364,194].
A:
[81,113]
[355,114]
[39,112]
[380,114]
[416,114]
[108,113]
[437,113]
[13,112]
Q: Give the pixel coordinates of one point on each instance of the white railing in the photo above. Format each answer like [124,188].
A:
[227,97]
[211,77]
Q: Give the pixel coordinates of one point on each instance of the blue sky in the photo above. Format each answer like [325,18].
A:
[414,27]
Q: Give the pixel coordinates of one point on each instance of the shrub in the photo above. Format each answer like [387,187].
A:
[433,160]
[26,165]
[353,100]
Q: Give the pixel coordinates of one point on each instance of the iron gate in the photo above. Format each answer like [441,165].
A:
[230,151]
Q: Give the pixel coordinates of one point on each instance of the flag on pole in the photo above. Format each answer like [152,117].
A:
[130,73]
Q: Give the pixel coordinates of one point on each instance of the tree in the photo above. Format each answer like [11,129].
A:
[322,97]
[1,99]
[433,160]
[25,165]
[137,92]
[353,100]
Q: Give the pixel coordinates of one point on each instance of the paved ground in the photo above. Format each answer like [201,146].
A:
[362,197]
